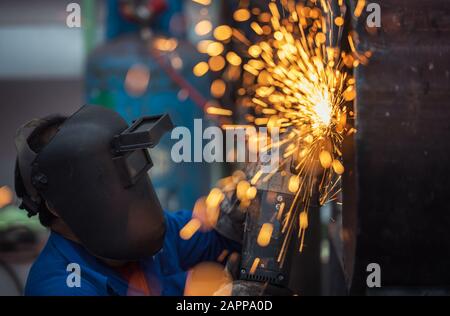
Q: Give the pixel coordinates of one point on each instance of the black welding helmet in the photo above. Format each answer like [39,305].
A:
[93,172]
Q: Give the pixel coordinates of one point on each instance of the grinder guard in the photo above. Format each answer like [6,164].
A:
[279,277]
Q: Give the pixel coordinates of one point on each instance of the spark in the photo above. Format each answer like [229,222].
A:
[294,76]
[203,2]
[241,15]
[201,69]
[223,33]
[222,255]
[6,196]
[137,80]
[203,28]
[190,229]
[208,279]
[280,211]
[265,234]
[255,265]
[218,111]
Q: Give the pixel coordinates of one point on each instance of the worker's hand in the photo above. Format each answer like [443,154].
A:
[239,193]
[218,211]
[224,209]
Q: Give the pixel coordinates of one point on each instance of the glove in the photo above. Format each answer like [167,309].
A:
[231,219]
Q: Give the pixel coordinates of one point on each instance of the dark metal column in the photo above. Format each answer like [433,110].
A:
[402,150]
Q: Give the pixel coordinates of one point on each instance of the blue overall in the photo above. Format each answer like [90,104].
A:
[167,269]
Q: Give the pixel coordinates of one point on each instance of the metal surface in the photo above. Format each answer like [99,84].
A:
[402,182]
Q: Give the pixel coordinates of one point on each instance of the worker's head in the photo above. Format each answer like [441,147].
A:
[43,132]
[75,170]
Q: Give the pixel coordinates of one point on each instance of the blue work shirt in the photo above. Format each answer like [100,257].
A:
[165,272]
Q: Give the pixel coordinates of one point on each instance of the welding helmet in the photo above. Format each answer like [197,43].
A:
[94,174]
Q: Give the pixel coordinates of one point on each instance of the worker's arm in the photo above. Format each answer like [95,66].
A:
[203,246]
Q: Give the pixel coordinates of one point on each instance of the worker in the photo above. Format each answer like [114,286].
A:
[108,232]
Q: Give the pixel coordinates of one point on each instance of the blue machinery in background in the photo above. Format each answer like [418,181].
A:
[178,185]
